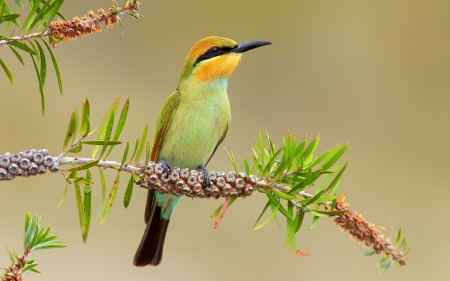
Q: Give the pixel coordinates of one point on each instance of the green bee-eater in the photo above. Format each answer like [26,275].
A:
[193,121]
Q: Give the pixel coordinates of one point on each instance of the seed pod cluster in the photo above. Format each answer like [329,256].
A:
[12,273]
[366,232]
[191,183]
[26,163]
[88,24]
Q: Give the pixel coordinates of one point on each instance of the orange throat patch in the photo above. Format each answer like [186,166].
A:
[218,67]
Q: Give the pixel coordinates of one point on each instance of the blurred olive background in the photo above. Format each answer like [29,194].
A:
[374,74]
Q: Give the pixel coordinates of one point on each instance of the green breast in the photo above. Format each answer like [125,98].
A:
[198,124]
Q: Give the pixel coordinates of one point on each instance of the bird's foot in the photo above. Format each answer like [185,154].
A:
[165,166]
[207,178]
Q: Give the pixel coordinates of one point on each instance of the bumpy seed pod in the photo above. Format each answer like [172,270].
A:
[3,173]
[19,172]
[201,194]
[234,192]
[48,161]
[15,158]
[174,176]
[42,169]
[7,155]
[164,188]
[25,163]
[153,178]
[44,152]
[213,176]
[184,174]
[26,174]
[230,177]
[158,184]
[9,176]
[221,174]
[215,191]
[38,158]
[159,169]
[197,188]
[13,168]
[191,180]
[248,189]
[28,154]
[165,178]
[242,175]
[141,164]
[185,190]
[149,169]
[194,173]
[239,183]
[33,169]
[201,177]
[54,168]
[4,162]
[252,179]
[179,184]
[220,182]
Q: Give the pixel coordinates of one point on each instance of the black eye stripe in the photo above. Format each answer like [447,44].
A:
[213,52]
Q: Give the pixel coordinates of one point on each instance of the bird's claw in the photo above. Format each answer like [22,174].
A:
[165,166]
[206,177]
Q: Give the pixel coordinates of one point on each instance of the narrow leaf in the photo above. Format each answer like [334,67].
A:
[70,130]
[8,73]
[109,203]
[19,57]
[128,193]
[269,218]
[55,65]
[142,144]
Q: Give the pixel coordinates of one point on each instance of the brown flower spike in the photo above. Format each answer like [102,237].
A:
[88,24]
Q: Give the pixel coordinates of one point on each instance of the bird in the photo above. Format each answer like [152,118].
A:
[191,124]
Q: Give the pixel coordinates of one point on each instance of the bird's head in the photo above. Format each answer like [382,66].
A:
[215,57]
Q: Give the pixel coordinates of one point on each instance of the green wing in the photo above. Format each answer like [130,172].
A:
[163,123]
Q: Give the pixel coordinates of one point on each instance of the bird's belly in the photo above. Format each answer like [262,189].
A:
[193,136]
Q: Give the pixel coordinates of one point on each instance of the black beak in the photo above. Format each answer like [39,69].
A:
[246,46]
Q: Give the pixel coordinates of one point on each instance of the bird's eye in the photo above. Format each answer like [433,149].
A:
[214,50]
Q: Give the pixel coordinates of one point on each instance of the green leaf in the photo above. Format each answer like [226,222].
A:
[41,89]
[8,73]
[271,163]
[314,198]
[8,12]
[19,57]
[335,183]
[322,199]
[314,223]
[125,154]
[85,124]
[327,213]
[371,253]
[327,178]
[128,193]
[283,195]
[247,169]
[41,13]
[80,208]
[63,198]
[55,65]
[147,152]
[70,130]
[103,142]
[55,11]
[233,160]
[105,130]
[299,220]
[103,181]
[399,236]
[217,211]
[269,218]
[260,215]
[22,46]
[121,123]
[136,145]
[282,209]
[87,207]
[142,144]
[335,158]
[19,2]
[309,152]
[85,166]
[33,8]
[109,203]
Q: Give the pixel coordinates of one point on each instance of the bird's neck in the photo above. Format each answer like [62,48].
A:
[216,84]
